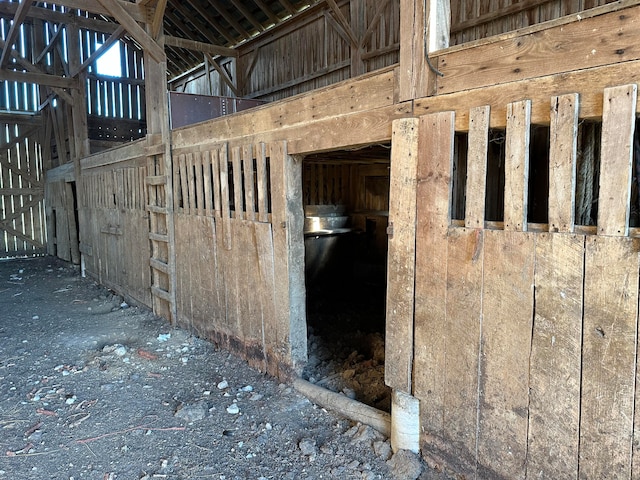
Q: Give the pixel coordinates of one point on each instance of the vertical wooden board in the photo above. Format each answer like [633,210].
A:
[244,255]
[183,275]
[216,181]
[262,183]
[401,255]
[249,181]
[434,176]
[224,197]
[199,187]
[556,354]
[507,310]
[616,153]
[191,183]
[516,188]
[609,356]
[206,180]
[288,245]
[266,292]
[463,328]
[562,162]
[253,285]
[238,187]
[184,182]
[477,166]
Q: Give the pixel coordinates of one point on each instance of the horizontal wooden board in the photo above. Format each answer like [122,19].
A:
[592,83]
[546,52]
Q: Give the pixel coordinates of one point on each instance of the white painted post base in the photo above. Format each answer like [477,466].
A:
[405,422]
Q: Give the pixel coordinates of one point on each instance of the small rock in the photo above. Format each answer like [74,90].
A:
[405,465]
[222,385]
[233,409]
[382,449]
[164,337]
[349,393]
[192,412]
[247,388]
[367,434]
[308,446]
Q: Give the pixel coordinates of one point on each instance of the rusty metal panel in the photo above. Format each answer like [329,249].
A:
[187,108]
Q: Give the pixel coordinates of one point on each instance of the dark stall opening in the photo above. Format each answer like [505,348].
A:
[346,202]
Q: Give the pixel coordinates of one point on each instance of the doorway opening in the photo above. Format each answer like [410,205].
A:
[346,204]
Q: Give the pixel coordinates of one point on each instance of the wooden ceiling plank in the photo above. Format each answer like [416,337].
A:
[267,11]
[199,46]
[288,7]
[136,31]
[204,30]
[21,14]
[247,14]
[225,14]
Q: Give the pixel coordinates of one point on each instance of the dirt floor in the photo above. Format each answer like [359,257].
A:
[91,388]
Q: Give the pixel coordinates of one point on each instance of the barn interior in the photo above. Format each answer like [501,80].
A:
[450,185]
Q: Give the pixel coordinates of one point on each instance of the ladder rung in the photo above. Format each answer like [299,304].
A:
[163,294]
[159,265]
[155,150]
[157,209]
[158,237]
[156,180]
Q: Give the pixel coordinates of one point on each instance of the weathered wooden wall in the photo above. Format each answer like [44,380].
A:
[526,349]
[231,256]
[115,233]
[292,60]
[477,19]
[22,213]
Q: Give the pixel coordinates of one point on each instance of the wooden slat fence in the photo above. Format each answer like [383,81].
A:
[525,334]
[22,212]
[228,276]
[114,234]
[224,250]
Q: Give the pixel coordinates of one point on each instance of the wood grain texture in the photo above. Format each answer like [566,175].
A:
[477,166]
[609,356]
[465,257]
[558,49]
[556,357]
[433,193]
[562,162]
[401,255]
[506,346]
[516,174]
[616,152]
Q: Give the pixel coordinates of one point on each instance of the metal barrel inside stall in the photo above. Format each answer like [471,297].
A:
[328,241]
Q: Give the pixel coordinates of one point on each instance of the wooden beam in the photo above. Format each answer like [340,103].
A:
[265,9]
[20,118]
[158,17]
[136,31]
[246,13]
[115,36]
[223,74]
[38,79]
[343,23]
[51,44]
[8,10]
[199,46]
[21,14]
[229,18]
[136,11]
[382,4]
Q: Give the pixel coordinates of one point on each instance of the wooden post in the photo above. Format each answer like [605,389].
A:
[424,28]
[288,245]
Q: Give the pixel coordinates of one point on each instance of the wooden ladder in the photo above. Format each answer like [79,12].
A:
[161,232]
